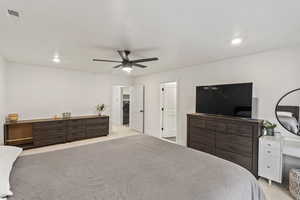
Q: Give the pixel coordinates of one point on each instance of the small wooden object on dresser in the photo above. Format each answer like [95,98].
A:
[231,138]
[270,158]
[42,132]
[12,117]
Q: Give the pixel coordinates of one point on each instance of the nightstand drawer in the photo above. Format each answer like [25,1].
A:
[270,144]
[271,168]
[272,152]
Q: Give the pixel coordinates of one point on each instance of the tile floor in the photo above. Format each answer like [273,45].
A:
[273,192]
[173,139]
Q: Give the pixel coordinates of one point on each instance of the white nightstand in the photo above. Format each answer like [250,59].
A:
[270,158]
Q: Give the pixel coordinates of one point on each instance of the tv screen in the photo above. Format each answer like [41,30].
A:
[229,99]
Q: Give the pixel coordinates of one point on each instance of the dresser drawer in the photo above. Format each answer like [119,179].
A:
[49,125]
[55,139]
[238,129]
[243,161]
[75,128]
[197,122]
[76,134]
[202,136]
[76,123]
[216,126]
[96,121]
[234,143]
[97,127]
[96,131]
[207,148]
[48,133]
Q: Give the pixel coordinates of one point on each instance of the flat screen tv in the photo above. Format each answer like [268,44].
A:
[229,99]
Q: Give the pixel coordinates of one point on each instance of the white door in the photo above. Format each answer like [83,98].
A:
[137,108]
[168,109]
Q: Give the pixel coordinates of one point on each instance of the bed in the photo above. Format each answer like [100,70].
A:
[131,168]
[288,116]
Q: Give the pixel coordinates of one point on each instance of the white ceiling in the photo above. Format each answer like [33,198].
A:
[181,33]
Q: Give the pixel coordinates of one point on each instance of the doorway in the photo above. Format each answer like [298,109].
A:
[120,106]
[127,113]
[168,107]
[125,93]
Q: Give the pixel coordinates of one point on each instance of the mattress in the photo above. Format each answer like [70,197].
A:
[131,168]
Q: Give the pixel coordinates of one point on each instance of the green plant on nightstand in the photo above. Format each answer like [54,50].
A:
[269,127]
[100,109]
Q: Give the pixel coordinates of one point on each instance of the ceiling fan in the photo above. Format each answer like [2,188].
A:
[126,63]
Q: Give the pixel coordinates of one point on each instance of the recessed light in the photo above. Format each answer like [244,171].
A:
[56,59]
[236,41]
[127,69]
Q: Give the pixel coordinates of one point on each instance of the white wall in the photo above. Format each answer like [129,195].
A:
[42,92]
[273,74]
[2,96]
[126,90]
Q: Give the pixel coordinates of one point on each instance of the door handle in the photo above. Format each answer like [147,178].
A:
[141,111]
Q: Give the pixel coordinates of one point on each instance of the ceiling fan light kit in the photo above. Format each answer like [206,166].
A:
[127,69]
[126,63]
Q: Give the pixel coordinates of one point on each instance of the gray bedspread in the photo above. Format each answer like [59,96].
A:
[132,168]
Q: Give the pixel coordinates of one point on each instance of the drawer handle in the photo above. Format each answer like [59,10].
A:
[269,145]
[269,151]
[268,167]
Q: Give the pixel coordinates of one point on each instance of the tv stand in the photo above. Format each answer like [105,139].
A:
[231,138]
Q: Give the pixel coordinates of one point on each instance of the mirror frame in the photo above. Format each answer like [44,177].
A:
[277,104]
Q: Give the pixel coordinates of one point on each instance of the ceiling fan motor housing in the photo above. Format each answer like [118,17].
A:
[126,62]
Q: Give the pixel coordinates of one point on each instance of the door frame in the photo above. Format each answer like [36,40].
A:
[161,104]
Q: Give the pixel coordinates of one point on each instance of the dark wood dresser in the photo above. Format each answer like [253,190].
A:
[230,138]
[42,132]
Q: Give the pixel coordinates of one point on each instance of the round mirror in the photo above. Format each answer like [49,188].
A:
[287,111]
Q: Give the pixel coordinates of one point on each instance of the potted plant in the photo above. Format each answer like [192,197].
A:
[269,127]
[100,109]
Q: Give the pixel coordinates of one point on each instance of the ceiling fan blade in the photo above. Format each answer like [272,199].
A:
[103,60]
[144,60]
[139,65]
[124,54]
[118,66]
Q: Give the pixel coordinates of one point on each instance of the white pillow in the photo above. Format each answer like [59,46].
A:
[8,155]
[283,113]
